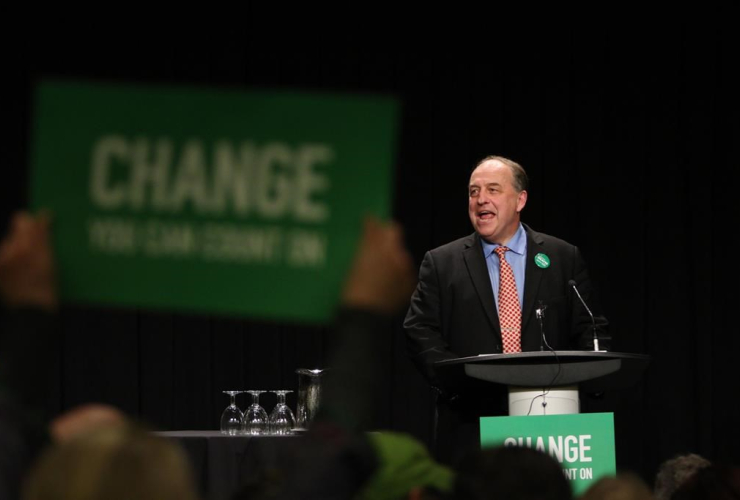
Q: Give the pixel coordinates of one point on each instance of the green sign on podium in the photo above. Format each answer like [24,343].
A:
[582,443]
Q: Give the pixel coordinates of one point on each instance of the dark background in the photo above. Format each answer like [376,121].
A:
[629,132]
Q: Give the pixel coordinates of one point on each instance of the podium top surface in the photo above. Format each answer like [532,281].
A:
[543,356]
[594,370]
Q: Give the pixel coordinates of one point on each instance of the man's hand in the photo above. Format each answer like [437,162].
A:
[382,277]
[27,271]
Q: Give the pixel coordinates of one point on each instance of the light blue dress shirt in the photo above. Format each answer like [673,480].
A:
[516,257]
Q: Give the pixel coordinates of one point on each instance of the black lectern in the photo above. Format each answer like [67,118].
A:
[554,378]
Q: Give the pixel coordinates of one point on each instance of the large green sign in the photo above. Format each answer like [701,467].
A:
[582,443]
[220,201]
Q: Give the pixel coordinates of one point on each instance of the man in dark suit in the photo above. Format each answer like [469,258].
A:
[463,286]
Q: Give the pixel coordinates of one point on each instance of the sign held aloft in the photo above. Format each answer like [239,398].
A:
[213,201]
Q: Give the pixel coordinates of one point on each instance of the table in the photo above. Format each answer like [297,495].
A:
[222,463]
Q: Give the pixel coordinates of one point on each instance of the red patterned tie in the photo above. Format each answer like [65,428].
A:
[509,313]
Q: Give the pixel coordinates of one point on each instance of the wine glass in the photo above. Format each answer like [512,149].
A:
[255,417]
[231,418]
[281,421]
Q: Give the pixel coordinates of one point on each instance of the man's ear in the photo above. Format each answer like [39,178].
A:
[521,201]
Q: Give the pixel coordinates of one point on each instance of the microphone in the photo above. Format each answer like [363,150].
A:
[573,284]
[540,314]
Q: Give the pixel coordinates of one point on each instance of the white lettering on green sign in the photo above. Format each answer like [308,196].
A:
[272,181]
[562,448]
[230,243]
[209,242]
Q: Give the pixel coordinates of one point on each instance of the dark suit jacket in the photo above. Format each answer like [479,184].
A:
[453,312]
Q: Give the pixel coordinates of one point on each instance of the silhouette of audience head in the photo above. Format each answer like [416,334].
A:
[714,482]
[511,473]
[111,463]
[623,487]
[674,472]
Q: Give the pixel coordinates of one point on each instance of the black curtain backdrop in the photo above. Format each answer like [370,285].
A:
[629,133]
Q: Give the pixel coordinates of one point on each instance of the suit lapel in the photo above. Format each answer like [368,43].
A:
[478,270]
[532,275]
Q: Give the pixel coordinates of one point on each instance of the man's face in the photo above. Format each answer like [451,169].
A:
[493,202]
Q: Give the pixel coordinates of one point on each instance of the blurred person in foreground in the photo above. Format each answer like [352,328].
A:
[510,473]
[675,471]
[338,459]
[714,482]
[98,454]
[112,463]
[28,348]
[621,487]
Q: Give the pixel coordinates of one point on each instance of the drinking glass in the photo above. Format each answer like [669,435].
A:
[281,421]
[255,417]
[231,418]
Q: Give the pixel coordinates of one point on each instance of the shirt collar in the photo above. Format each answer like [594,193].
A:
[517,244]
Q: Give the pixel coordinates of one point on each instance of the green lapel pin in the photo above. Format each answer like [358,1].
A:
[542,260]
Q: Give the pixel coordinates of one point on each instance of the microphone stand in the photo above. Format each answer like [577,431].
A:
[593,321]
